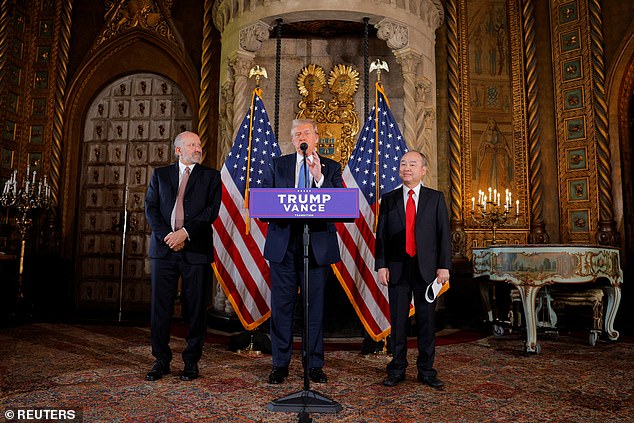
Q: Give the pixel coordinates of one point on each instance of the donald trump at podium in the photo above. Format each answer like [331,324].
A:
[284,251]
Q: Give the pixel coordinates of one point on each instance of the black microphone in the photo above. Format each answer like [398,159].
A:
[303,146]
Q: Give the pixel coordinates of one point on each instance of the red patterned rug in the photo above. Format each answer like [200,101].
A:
[99,371]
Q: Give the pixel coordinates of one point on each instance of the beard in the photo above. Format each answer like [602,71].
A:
[192,158]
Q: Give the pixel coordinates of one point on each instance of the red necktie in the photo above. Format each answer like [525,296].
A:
[179,213]
[410,225]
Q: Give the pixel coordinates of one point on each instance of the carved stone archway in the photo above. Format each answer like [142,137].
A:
[408,28]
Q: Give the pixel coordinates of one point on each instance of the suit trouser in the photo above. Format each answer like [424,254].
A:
[286,277]
[400,294]
[196,281]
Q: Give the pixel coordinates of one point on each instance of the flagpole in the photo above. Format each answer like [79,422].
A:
[258,72]
[378,65]
[247,186]
[376,151]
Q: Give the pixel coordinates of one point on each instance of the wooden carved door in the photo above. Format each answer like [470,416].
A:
[128,132]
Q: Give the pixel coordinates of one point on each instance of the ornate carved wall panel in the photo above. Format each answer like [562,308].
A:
[128,132]
[490,101]
[585,197]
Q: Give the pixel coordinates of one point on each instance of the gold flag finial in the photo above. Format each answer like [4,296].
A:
[259,72]
[379,65]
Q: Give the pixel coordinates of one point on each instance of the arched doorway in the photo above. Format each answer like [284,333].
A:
[128,131]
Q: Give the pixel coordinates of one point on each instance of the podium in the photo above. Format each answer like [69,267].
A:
[305,205]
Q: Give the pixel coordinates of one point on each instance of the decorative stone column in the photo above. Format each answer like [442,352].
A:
[225,120]
[419,114]
[425,127]
[250,40]
[409,60]
[240,64]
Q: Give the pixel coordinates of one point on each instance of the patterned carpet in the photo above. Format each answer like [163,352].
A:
[99,371]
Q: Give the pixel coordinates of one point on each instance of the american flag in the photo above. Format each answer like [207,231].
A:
[240,266]
[355,271]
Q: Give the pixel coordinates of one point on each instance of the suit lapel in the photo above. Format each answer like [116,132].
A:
[400,205]
[173,175]
[423,201]
[288,170]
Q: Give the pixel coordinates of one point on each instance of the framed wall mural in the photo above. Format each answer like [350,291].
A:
[492,103]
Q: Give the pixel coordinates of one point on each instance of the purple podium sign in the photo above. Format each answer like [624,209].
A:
[311,203]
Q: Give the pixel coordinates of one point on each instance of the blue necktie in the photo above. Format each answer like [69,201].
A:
[301,178]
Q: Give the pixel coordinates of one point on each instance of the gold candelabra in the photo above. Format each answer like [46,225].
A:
[488,210]
[29,194]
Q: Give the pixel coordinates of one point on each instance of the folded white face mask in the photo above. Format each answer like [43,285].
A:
[437,289]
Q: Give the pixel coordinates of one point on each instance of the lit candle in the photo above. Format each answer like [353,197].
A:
[489,197]
[498,199]
[34,173]
[517,207]
[472,203]
[484,202]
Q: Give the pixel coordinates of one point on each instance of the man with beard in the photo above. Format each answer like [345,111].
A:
[182,202]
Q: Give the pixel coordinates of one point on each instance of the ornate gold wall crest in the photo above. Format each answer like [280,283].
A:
[311,82]
[338,122]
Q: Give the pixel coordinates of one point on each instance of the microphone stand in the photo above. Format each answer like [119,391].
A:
[306,401]
[306,244]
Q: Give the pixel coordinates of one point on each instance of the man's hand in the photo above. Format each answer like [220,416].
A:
[176,240]
[384,276]
[442,275]
[314,167]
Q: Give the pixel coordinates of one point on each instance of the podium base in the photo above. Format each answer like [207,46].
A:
[305,402]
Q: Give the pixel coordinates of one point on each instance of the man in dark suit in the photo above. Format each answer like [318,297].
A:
[413,247]
[284,250]
[182,202]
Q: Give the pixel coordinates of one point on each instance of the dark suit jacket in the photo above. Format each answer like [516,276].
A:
[323,236]
[200,204]
[433,239]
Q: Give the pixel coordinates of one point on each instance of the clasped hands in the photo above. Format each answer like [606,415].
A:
[176,240]
[384,276]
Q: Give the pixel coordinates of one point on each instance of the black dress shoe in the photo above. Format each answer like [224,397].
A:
[432,381]
[317,375]
[190,372]
[393,380]
[277,375]
[159,369]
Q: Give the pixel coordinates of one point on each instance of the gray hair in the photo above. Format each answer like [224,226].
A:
[299,122]
[178,141]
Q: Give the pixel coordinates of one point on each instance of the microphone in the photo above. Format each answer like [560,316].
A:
[303,146]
